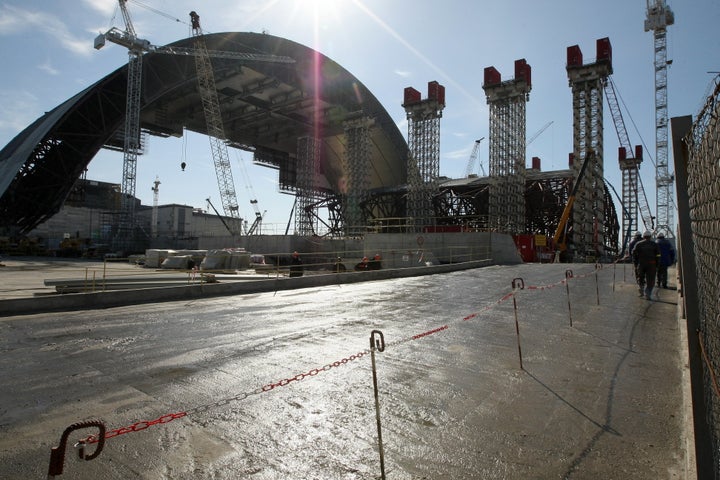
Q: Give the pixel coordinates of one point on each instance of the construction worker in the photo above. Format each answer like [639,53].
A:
[296,265]
[375,263]
[363,266]
[646,253]
[667,258]
[339,266]
[638,278]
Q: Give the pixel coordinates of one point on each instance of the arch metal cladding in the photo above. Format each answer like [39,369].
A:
[266,108]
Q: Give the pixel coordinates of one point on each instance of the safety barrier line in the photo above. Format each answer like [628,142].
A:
[167,418]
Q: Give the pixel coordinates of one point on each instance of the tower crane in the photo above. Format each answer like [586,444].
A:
[539,132]
[473,158]
[633,192]
[659,17]
[137,47]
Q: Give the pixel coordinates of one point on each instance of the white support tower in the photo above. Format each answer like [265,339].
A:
[356,171]
[507,171]
[587,83]
[423,167]
[659,17]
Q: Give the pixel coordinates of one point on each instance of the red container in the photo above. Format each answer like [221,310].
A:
[522,71]
[492,76]
[638,152]
[571,159]
[433,88]
[604,49]
[536,163]
[622,154]
[412,96]
[436,92]
[574,56]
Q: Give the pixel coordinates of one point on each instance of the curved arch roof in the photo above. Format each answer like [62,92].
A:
[265,106]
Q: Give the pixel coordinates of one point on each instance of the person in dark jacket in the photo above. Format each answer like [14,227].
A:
[296,265]
[646,253]
[667,258]
[339,266]
[640,281]
[363,266]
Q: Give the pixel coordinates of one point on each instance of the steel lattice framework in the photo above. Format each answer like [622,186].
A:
[507,102]
[308,159]
[659,16]
[356,166]
[587,83]
[423,167]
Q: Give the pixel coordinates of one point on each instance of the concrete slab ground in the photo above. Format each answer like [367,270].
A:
[604,397]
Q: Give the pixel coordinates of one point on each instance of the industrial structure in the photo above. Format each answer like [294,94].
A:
[659,17]
[587,82]
[333,145]
[507,100]
[423,162]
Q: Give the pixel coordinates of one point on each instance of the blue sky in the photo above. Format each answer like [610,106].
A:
[48,56]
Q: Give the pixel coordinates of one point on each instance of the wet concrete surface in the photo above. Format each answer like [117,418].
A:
[602,398]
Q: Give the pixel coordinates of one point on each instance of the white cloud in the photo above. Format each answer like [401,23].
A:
[49,69]
[105,7]
[402,73]
[17,110]
[14,20]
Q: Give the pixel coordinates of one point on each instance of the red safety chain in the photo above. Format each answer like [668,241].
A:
[709,365]
[144,424]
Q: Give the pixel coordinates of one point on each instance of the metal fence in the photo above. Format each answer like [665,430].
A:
[699,207]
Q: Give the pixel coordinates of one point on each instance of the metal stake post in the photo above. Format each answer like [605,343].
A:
[597,285]
[379,345]
[518,282]
[568,276]
[57,454]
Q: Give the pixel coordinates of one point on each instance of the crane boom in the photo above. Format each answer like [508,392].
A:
[633,189]
[473,156]
[137,47]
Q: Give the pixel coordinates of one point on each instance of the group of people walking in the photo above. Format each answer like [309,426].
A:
[651,260]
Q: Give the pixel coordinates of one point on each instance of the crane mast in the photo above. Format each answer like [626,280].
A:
[132,147]
[659,16]
[633,191]
[215,129]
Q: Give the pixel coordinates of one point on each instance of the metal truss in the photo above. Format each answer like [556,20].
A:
[356,172]
[423,159]
[587,83]
[507,102]
[308,159]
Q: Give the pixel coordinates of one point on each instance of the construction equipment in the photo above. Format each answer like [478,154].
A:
[137,47]
[539,132]
[659,17]
[560,237]
[473,157]
[633,193]
[232,232]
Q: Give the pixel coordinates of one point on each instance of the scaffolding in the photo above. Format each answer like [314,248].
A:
[308,159]
[507,100]
[355,182]
[587,83]
[423,163]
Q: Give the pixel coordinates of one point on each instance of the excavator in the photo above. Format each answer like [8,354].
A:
[560,237]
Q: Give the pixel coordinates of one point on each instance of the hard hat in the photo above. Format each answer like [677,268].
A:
[647,234]
[638,234]
[661,235]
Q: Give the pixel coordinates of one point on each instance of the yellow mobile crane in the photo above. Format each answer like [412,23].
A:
[560,237]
